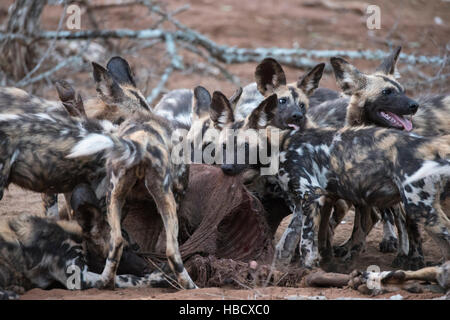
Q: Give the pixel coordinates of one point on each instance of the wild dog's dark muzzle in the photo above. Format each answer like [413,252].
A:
[413,106]
[295,120]
[232,169]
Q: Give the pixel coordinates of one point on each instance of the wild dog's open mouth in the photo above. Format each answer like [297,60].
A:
[397,121]
[293,126]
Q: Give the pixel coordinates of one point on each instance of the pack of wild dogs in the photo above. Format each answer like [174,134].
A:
[370,147]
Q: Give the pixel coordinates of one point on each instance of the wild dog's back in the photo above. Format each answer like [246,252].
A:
[17,101]
[433,116]
[36,160]
[176,106]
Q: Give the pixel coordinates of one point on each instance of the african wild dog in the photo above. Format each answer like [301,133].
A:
[379,99]
[35,145]
[367,166]
[178,105]
[140,153]
[373,99]
[293,99]
[118,98]
[38,252]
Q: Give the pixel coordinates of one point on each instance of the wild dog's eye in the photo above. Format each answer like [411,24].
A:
[282,100]
[302,106]
[386,91]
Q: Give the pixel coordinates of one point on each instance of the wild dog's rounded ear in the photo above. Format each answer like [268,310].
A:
[348,78]
[201,102]
[388,65]
[70,99]
[310,81]
[220,111]
[86,208]
[262,116]
[107,86]
[269,75]
[120,70]
[65,91]
[99,72]
[235,97]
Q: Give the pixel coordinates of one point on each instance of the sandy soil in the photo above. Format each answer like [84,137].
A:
[17,200]
[258,24]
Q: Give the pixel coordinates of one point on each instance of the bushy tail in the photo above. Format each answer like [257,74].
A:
[431,168]
[91,144]
[439,148]
[114,147]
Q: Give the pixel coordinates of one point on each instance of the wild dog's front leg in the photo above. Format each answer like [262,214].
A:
[161,191]
[284,250]
[423,203]
[340,209]
[121,183]
[326,229]
[309,243]
[365,219]
[314,204]
[389,242]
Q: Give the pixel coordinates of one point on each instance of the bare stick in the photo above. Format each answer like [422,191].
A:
[49,49]
[162,82]
[295,57]
[69,61]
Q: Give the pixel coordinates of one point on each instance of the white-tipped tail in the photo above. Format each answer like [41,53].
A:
[90,145]
[429,168]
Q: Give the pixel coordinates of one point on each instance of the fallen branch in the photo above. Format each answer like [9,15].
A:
[295,57]
[59,66]
[387,281]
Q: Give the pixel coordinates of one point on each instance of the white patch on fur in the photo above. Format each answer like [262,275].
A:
[429,168]
[14,156]
[282,156]
[283,180]
[262,121]
[223,118]
[8,117]
[52,211]
[185,119]
[92,144]
[45,116]
[108,126]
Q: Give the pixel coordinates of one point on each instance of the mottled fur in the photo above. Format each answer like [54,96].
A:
[118,98]
[367,166]
[140,152]
[178,106]
[367,99]
[293,98]
[39,252]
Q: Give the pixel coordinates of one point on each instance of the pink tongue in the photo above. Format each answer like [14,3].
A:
[407,125]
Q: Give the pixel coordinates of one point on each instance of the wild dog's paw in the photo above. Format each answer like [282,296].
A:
[8,295]
[340,251]
[408,263]
[388,245]
[282,258]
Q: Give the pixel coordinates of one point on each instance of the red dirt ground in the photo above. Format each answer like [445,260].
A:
[259,24]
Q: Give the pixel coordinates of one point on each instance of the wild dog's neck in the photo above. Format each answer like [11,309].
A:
[355,112]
